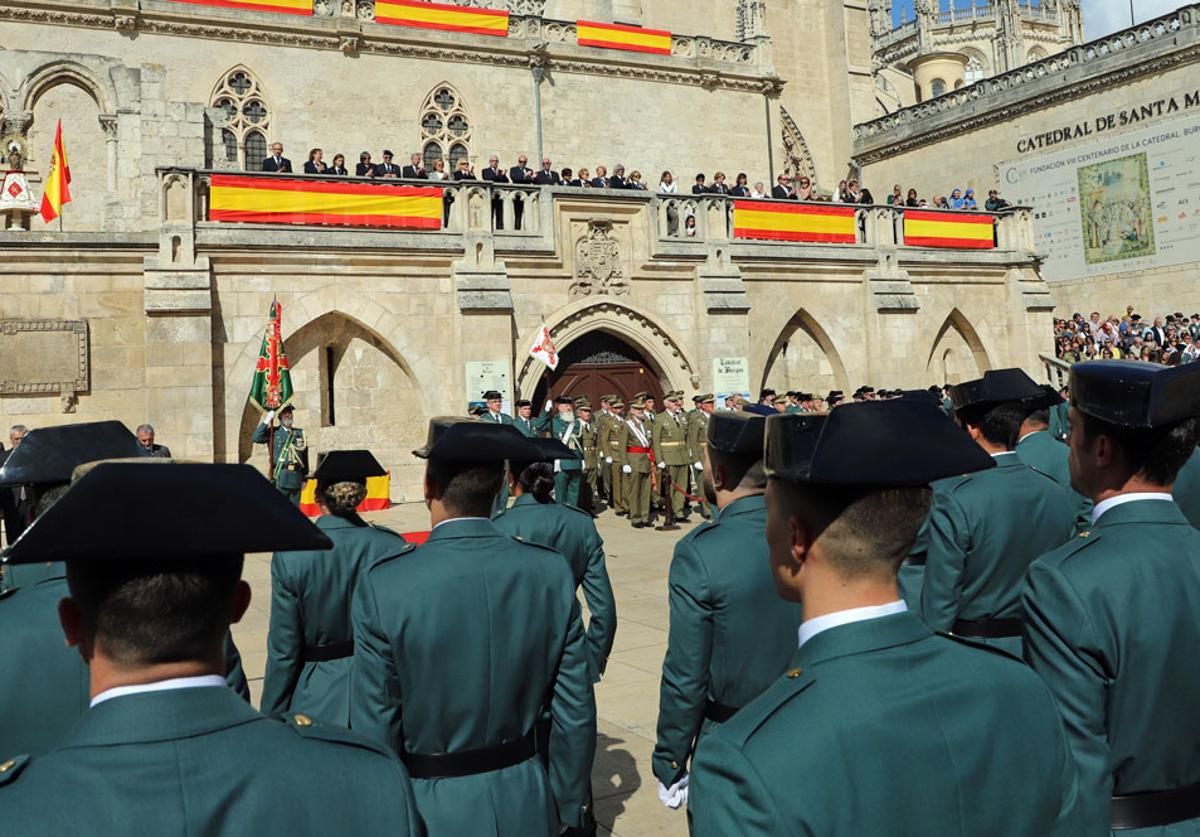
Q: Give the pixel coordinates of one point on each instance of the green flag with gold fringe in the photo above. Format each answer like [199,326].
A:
[272,384]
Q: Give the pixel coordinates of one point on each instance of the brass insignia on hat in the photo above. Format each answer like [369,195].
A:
[303,720]
[794,673]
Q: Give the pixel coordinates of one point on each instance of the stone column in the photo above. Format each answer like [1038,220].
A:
[483,327]
[722,317]
[108,121]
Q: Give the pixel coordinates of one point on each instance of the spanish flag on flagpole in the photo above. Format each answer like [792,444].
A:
[57,190]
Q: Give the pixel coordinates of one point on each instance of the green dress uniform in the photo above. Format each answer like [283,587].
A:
[697,431]
[984,531]
[572,533]
[731,634]
[1042,452]
[568,476]
[1110,619]
[669,440]
[501,502]
[525,427]
[289,458]
[459,644]
[1187,489]
[310,645]
[201,761]
[1060,427]
[634,447]
[884,727]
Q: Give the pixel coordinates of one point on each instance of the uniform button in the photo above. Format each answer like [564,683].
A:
[303,721]
[674,766]
[7,766]
[794,673]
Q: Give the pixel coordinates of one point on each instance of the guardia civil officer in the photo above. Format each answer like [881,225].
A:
[535,517]
[460,643]
[562,424]
[1041,451]
[310,646]
[165,747]
[986,528]
[880,726]
[731,634]
[1110,618]
[287,450]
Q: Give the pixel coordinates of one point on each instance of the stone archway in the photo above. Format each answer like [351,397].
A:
[651,340]
[957,353]
[803,357]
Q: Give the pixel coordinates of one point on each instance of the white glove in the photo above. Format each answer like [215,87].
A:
[625,469]
[549,405]
[699,466]
[662,465]
[270,417]
[608,460]
[557,466]
[675,795]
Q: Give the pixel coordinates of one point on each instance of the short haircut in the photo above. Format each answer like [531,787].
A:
[145,428]
[536,478]
[1041,416]
[18,428]
[466,488]
[150,612]
[1157,453]
[341,498]
[867,531]
[744,471]
[1000,424]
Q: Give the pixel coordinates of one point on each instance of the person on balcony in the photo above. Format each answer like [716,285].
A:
[700,187]
[277,163]
[896,198]
[463,172]
[760,191]
[415,170]
[782,190]
[636,182]
[741,186]
[387,169]
[339,166]
[804,189]
[547,176]
[617,181]
[585,178]
[600,181]
[364,167]
[315,164]
[719,186]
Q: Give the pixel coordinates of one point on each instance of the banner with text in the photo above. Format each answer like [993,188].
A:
[1123,203]
[731,376]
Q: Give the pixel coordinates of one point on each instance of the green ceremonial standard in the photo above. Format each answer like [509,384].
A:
[271,386]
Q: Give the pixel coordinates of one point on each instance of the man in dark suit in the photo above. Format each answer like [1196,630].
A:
[699,188]
[547,176]
[781,190]
[600,181]
[1158,334]
[414,170]
[617,181]
[387,168]
[145,436]
[520,173]
[277,162]
[494,174]
[364,168]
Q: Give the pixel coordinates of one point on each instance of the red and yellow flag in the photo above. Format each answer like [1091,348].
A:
[938,228]
[275,200]
[287,7]
[442,16]
[792,221]
[58,180]
[616,36]
[378,496]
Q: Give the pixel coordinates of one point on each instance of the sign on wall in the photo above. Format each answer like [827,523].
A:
[730,375]
[483,375]
[1123,203]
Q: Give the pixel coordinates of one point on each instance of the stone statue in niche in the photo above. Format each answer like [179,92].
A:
[598,263]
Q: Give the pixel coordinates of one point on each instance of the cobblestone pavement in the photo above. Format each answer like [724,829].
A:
[627,699]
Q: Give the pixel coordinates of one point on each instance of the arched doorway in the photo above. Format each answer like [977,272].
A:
[596,364]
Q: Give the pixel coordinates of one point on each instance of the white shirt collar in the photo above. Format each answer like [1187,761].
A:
[820,624]
[456,520]
[203,680]
[1003,453]
[1112,502]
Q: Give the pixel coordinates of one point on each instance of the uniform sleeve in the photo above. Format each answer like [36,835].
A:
[602,605]
[945,563]
[684,688]
[235,675]
[726,795]
[1060,646]
[544,422]
[621,455]
[285,642]
[572,723]
[656,437]
[261,434]
[375,709]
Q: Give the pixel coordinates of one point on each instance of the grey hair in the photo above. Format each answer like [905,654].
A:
[146,427]
[18,428]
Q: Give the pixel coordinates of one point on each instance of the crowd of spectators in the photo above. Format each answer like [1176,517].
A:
[1170,339]
[957,199]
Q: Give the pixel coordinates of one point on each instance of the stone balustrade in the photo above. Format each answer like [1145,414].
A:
[1057,372]
[511,212]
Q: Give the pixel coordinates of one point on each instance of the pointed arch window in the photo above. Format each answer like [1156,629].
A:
[240,96]
[445,128]
[974,70]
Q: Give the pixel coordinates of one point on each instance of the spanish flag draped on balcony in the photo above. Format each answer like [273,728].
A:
[272,384]
[289,7]
[282,200]
[443,16]
[822,223]
[939,228]
[616,36]
[58,181]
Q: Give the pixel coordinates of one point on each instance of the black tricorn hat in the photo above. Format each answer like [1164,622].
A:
[523,402]
[564,399]
[454,438]
[921,395]
[1130,393]
[492,395]
[232,510]
[48,455]
[763,393]
[903,442]
[997,386]
[548,450]
[736,432]
[348,466]
[1048,398]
